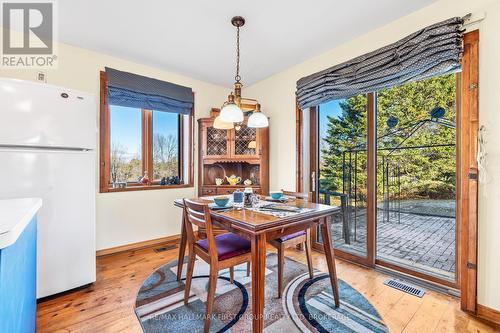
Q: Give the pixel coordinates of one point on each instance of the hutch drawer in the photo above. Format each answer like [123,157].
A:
[208,191]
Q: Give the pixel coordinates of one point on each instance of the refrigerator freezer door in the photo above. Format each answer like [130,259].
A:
[66,222]
[37,114]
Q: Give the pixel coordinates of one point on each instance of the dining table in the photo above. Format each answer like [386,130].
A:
[258,226]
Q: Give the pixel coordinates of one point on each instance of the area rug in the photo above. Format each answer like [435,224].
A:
[306,306]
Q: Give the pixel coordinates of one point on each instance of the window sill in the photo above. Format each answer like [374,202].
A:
[147,188]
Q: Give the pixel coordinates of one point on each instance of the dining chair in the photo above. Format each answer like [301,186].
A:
[219,252]
[297,238]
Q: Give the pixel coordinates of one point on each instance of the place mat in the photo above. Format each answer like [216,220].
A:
[283,199]
[275,213]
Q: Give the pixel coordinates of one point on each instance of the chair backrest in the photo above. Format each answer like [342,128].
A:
[199,214]
[306,196]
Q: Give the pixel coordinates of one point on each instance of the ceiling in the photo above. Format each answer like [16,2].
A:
[196,38]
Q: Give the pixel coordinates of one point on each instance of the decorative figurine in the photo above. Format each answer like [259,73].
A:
[174,180]
[233,180]
[145,179]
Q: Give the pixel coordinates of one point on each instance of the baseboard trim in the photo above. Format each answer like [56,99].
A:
[488,314]
[138,245]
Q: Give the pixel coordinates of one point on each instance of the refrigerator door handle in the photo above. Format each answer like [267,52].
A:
[46,148]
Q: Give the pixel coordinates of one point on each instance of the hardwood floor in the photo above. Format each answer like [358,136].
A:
[108,305]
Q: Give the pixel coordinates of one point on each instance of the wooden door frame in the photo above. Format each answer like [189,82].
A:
[467,210]
[467,187]
[313,153]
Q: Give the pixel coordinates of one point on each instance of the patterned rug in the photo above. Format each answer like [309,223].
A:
[306,306]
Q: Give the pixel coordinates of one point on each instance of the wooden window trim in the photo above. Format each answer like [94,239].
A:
[299,132]
[146,145]
[147,142]
[180,162]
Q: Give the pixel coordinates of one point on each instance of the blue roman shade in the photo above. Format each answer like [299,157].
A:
[131,90]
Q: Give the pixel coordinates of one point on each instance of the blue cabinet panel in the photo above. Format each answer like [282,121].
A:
[18,283]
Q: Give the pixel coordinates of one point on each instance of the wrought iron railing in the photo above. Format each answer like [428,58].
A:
[325,197]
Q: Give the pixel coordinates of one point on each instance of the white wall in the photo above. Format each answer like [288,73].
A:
[127,217]
[277,96]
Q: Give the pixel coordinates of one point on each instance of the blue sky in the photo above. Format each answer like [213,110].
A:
[126,127]
[331,109]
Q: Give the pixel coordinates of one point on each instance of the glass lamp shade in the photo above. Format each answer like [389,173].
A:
[220,124]
[258,120]
[231,113]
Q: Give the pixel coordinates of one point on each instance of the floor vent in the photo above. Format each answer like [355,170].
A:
[165,248]
[405,286]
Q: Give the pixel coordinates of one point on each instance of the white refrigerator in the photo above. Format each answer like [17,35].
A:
[48,150]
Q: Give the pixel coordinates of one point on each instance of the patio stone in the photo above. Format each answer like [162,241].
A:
[428,242]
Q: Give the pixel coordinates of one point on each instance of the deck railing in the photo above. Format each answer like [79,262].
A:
[325,197]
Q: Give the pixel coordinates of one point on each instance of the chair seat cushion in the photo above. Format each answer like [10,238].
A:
[291,236]
[228,245]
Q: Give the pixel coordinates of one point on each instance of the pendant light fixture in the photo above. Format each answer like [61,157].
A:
[232,110]
[220,124]
[258,119]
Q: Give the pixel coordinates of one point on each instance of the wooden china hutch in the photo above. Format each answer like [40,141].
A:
[242,151]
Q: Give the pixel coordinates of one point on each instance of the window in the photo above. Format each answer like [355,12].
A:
[165,144]
[136,143]
[125,160]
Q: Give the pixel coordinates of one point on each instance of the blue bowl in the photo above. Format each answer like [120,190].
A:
[276,195]
[221,201]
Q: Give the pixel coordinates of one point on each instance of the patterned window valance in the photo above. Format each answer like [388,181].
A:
[428,52]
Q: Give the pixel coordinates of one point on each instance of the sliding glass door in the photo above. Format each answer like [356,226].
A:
[388,159]
[340,170]
[416,177]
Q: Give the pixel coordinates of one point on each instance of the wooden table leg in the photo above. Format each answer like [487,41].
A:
[330,258]
[258,280]
[182,249]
